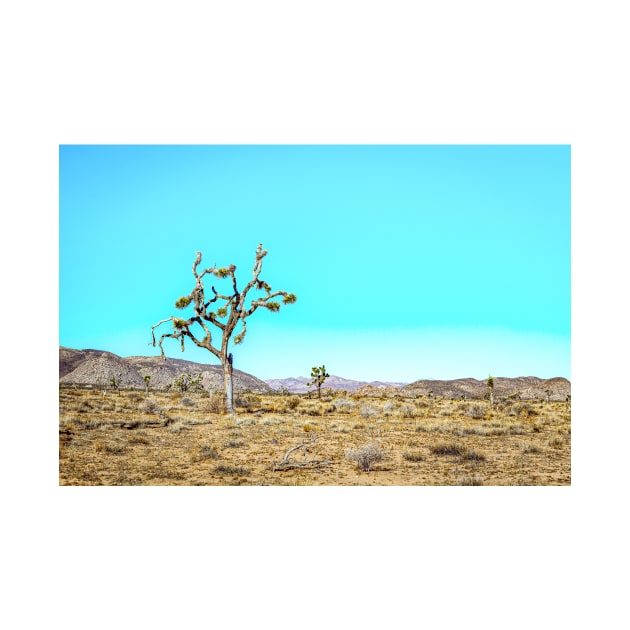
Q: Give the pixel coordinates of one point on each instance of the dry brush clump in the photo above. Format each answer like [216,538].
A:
[369,411]
[458,449]
[470,480]
[345,405]
[414,456]
[366,456]
[407,411]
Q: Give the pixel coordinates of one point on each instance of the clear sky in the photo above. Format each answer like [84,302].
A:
[408,262]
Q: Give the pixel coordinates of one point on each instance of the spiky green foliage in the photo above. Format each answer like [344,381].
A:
[183,302]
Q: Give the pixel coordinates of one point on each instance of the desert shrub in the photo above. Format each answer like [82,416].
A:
[339,428]
[530,448]
[366,457]
[455,448]
[139,438]
[234,444]
[477,430]
[407,411]
[368,411]
[244,422]
[413,456]
[216,403]
[85,406]
[523,409]
[271,420]
[448,448]
[111,448]
[472,455]
[470,480]
[187,402]
[292,402]
[556,441]
[150,406]
[345,405]
[312,410]
[86,423]
[115,448]
[247,400]
[228,469]
[477,412]
[207,451]
[388,407]
[134,423]
[177,427]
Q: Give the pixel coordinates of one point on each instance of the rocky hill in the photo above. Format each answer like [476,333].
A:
[523,387]
[96,367]
[298,384]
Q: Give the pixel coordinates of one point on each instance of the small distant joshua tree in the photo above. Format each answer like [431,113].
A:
[491,388]
[223,311]
[147,378]
[318,376]
[115,383]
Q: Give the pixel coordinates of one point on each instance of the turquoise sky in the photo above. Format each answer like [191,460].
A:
[408,262]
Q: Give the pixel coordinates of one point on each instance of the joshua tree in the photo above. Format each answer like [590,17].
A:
[114,383]
[147,378]
[225,312]
[491,388]
[318,376]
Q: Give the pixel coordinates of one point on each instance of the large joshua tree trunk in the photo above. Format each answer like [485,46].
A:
[228,383]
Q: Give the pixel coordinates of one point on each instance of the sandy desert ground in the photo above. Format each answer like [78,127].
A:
[172,438]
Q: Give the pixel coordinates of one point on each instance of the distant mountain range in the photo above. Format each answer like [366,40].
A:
[298,384]
[97,367]
[523,387]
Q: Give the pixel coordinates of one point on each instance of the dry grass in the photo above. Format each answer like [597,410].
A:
[169,439]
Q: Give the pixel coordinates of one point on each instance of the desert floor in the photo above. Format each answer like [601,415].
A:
[129,438]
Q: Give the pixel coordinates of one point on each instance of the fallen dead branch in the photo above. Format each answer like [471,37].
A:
[286,464]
